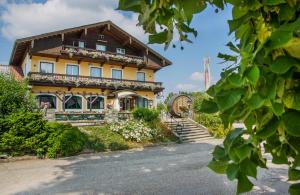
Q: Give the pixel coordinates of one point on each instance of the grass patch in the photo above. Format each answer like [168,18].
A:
[102,139]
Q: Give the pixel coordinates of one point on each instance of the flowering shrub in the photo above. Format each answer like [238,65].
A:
[81,81]
[133,130]
[99,54]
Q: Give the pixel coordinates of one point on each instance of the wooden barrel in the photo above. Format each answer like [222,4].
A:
[180,105]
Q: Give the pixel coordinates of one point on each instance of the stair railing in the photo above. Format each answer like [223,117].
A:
[179,125]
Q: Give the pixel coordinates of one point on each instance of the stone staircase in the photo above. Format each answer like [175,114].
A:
[188,130]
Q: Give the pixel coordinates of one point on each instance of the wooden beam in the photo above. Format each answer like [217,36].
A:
[108,26]
[85,31]
[64,102]
[62,37]
[141,67]
[32,43]
[57,58]
[147,51]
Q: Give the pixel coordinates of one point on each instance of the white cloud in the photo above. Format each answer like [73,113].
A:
[2,2]
[197,76]
[29,18]
[186,87]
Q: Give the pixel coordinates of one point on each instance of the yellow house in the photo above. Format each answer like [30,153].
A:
[89,68]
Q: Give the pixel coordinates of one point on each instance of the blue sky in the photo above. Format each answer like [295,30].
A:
[28,17]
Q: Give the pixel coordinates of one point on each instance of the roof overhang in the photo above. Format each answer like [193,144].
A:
[22,44]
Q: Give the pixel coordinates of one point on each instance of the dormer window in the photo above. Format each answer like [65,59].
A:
[81,44]
[120,51]
[101,37]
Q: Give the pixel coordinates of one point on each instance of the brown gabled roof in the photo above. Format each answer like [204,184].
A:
[22,44]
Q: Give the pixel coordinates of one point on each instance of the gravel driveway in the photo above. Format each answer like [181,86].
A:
[172,169]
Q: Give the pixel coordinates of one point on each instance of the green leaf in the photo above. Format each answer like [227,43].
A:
[255,101]
[130,5]
[243,151]
[191,7]
[232,171]
[219,3]
[277,108]
[218,166]
[294,189]
[235,80]
[282,64]
[286,12]
[291,122]
[158,38]
[292,100]
[227,57]
[228,99]
[273,2]
[279,155]
[231,137]
[268,130]
[253,74]
[244,184]
[219,153]
[209,106]
[237,23]
[249,168]
[232,47]
[294,174]
[279,38]
[250,121]
[293,47]
[239,11]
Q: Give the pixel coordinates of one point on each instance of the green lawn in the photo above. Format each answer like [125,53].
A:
[103,139]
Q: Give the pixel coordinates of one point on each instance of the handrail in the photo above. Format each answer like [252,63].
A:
[91,77]
[179,124]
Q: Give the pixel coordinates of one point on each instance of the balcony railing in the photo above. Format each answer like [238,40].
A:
[105,55]
[4,69]
[88,81]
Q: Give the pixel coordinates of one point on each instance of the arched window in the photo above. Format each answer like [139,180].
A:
[74,102]
[49,100]
[97,102]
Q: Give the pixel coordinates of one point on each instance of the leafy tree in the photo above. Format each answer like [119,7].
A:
[261,88]
[169,97]
[14,96]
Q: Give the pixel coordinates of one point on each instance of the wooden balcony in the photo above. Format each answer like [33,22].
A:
[63,80]
[104,56]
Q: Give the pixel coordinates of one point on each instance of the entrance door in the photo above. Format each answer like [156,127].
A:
[127,103]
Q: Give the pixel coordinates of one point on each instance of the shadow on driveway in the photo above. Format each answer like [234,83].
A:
[173,169]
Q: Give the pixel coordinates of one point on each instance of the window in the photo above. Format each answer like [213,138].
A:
[46,67]
[73,102]
[116,74]
[81,44]
[140,76]
[95,72]
[97,102]
[101,37]
[142,102]
[100,47]
[48,100]
[72,70]
[120,51]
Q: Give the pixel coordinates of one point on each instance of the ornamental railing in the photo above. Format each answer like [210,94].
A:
[4,69]
[74,80]
[105,55]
